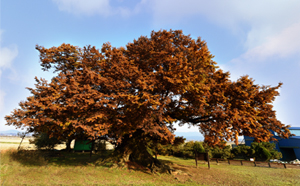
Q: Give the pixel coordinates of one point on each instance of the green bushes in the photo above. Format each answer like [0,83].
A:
[223,152]
[100,145]
[42,141]
[243,152]
[265,151]
[188,149]
[197,147]
[260,151]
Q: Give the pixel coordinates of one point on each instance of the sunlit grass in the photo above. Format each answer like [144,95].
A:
[37,168]
[10,142]
[224,174]
[58,167]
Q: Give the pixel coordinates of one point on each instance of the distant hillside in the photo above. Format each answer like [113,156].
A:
[196,136]
[9,133]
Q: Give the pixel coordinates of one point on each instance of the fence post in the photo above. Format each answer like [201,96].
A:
[228,162]
[241,162]
[284,165]
[207,156]
[196,158]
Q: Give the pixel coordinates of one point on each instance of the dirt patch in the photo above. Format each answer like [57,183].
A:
[202,175]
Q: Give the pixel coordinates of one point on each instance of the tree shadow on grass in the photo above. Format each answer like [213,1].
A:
[166,162]
[64,158]
[136,167]
[182,167]
[54,157]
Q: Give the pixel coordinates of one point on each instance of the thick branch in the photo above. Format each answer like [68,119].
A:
[196,120]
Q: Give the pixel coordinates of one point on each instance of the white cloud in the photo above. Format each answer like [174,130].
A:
[2,95]
[255,19]
[96,7]
[7,55]
[269,29]
[282,45]
[84,7]
[276,60]
[271,72]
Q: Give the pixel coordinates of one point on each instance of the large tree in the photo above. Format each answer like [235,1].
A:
[134,95]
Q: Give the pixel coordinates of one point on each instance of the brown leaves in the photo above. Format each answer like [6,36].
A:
[142,89]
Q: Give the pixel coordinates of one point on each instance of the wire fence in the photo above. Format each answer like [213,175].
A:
[252,163]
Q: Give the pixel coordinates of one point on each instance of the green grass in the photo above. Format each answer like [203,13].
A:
[55,168]
[224,174]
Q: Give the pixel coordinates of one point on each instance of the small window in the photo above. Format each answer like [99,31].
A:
[295,131]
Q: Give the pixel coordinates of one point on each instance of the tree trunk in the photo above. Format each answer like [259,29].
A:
[92,148]
[21,141]
[135,150]
[68,144]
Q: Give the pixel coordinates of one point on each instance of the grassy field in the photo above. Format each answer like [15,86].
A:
[13,142]
[31,167]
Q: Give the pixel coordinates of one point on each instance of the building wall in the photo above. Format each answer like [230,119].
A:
[290,148]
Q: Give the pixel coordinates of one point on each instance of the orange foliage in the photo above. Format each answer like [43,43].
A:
[144,88]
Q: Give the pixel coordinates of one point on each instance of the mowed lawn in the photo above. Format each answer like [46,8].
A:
[62,168]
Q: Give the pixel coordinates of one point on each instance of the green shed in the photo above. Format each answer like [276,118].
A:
[81,145]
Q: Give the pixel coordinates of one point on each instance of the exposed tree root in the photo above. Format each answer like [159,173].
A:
[137,154]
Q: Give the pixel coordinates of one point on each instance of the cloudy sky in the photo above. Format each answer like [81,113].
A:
[254,37]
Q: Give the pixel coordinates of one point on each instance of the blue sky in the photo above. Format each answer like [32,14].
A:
[258,38]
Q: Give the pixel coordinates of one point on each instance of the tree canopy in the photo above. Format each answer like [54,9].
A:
[139,91]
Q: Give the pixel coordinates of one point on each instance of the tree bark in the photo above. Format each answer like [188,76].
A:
[135,150]
[68,144]
[92,148]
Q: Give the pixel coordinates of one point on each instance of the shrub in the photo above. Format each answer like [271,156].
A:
[188,149]
[243,152]
[42,141]
[197,147]
[260,151]
[100,145]
[155,147]
[222,151]
[265,151]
